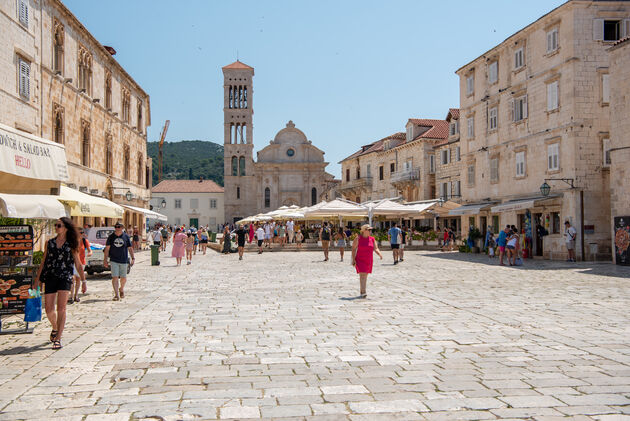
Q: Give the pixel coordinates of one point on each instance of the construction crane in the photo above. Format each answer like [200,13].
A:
[161,147]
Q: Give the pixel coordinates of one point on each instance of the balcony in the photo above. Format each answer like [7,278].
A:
[357,185]
[405,176]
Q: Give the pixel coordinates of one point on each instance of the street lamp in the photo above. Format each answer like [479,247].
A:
[545,189]
[163,203]
[129,196]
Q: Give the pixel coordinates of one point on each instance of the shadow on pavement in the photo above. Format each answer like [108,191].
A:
[593,268]
[25,349]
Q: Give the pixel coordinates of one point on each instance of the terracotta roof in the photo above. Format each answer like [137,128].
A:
[622,40]
[396,139]
[454,113]
[437,129]
[187,186]
[238,66]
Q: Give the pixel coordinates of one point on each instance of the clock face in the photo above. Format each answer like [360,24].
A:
[290,152]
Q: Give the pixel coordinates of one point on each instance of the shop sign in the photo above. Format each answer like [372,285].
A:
[28,156]
[13,293]
[16,240]
[622,240]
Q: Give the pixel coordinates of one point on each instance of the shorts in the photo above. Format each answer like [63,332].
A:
[260,242]
[157,243]
[136,238]
[54,285]
[502,249]
[395,246]
[267,236]
[74,270]
[511,247]
[402,246]
[204,241]
[119,270]
[571,245]
[241,244]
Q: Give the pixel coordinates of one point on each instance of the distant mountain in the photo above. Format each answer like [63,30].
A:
[188,159]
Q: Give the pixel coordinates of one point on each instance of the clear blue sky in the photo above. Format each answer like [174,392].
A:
[346,72]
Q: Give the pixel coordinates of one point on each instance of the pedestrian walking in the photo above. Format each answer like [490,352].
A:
[252,233]
[165,232]
[290,231]
[241,234]
[340,241]
[117,249]
[569,236]
[299,238]
[179,246]
[268,231]
[156,236]
[260,237]
[203,240]
[281,233]
[394,235]
[324,237]
[61,255]
[501,243]
[84,249]
[511,245]
[136,239]
[404,235]
[190,246]
[227,241]
[363,249]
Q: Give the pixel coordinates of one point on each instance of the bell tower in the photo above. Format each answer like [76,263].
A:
[238,142]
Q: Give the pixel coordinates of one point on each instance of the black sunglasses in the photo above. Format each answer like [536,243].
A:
[58,225]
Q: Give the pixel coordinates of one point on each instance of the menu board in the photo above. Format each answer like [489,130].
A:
[13,293]
[622,240]
[16,240]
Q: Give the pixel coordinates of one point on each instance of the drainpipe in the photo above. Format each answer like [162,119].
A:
[582,223]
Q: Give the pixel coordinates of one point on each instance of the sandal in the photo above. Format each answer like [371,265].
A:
[57,344]
[122,293]
[78,300]
[53,335]
[116,298]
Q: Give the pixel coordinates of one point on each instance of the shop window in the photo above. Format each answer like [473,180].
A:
[555,222]
[471,221]
[495,224]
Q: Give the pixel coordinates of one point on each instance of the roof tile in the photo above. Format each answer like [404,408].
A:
[187,186]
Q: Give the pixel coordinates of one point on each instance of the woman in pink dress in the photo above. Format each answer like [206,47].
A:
[251,233]
[363,248]
[179,245]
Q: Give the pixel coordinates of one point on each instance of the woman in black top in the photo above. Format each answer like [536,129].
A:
[241,234]
[61,255]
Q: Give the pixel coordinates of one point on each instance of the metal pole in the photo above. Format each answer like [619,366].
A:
[582,223]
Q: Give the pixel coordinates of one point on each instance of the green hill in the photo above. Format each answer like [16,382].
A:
[188,159]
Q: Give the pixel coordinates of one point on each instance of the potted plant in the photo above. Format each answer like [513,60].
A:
[381,237]
[417,239]
[475,235]
[431,238]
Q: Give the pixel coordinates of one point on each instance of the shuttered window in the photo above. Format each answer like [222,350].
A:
[471,175]
[552,40]
[471,127]
[518,59]
[24,71]
[520,164]
[519,108]
[493,72]
[553,157]
[492,118]
[494,169]
[552,96]
[194,203]
[606,152]
[470,85]
[23,12]
[605,88]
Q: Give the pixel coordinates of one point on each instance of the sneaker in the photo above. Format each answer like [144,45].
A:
[240,257]
[395,262]
[188,262]
[363,296]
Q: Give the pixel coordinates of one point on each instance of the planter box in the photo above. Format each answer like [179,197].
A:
[417,242]
[475,249]
[433,243]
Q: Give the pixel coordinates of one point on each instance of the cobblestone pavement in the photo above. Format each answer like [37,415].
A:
[441,336]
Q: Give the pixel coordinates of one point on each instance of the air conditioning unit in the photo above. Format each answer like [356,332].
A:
[83,189]
[72,185]
[94,192]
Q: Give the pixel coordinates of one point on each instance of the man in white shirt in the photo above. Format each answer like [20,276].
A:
[260,236]
[569,235]
[290,232]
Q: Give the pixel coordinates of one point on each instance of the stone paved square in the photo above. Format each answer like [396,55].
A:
[440,336]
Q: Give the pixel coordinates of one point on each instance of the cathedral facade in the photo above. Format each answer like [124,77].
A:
[288,171]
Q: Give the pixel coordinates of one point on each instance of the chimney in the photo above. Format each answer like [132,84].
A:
[201,178]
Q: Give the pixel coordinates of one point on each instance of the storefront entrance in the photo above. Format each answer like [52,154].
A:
[537,232]
[194,222]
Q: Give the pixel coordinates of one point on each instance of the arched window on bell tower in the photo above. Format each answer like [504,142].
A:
[313,196]
[234,166]
[241,165]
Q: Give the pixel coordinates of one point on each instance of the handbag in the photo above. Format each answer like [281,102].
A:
[33,308]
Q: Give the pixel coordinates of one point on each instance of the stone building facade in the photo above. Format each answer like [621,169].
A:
[288,171]
[194,203]
[400,165]
[535,109]
[58,82]
[617,153]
